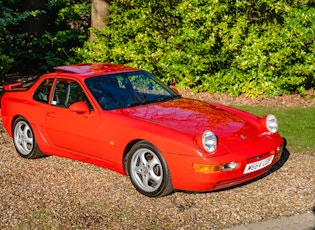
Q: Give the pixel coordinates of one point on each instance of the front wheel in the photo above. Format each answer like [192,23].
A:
[148,170]
[24,140]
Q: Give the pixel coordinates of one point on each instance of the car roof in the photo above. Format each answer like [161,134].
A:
[94,69]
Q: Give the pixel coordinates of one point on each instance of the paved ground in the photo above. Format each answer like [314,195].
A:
[297,222]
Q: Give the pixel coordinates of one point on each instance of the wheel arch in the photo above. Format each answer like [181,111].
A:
[14,119]
[126,151]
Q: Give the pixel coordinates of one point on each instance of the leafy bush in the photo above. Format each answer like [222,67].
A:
[27,52]
[9,18]
[245,46]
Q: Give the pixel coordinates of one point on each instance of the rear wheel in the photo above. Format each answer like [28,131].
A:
[148,170]
[24,140]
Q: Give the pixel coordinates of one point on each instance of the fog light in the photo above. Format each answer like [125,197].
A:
[280,148]
[229,166]
[279,152]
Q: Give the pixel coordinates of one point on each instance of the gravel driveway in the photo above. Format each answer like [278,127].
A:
[59,193]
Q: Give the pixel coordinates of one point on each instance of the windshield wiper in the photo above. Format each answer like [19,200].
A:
[167,97]
[161,98]
[136,103]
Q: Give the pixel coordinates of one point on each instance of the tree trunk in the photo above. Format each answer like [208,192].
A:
[99,15]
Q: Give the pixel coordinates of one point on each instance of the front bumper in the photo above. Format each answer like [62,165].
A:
[184,177]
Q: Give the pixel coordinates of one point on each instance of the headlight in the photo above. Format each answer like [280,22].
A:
[209,141]
[272,123]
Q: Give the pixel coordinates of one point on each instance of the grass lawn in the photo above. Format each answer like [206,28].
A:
[296,125]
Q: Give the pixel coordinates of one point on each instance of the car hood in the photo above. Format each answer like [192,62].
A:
[195,117]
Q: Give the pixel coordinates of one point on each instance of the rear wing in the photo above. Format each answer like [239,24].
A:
[13,86]
[20,85]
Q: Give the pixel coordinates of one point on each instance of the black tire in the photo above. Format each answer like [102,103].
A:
[148,170]
[24,140]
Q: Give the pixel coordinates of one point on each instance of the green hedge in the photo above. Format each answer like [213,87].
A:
[250,47]
[26,52]
[10,18]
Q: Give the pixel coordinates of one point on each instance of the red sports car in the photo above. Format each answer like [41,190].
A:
[125,120]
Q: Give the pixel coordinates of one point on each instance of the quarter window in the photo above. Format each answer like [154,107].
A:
[43,91]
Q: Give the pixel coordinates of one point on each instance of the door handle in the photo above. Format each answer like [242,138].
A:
[51,114]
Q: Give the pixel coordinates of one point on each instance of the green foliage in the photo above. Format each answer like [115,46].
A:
[296,125]
[246,46]
[66,26]
[9,18]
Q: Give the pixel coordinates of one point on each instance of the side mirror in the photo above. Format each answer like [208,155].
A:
[79,107]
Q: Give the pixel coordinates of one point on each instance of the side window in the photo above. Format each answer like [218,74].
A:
[43,91]
[67,92]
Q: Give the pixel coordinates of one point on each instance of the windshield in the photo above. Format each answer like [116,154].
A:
[129,89]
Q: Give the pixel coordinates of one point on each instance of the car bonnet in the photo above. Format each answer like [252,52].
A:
[195,117]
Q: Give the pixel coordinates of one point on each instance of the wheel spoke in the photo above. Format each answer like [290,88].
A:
[155,161]
[145,180]
[25,130]
[29,140]
[156,178]
[138,169]
[19,134]
[152,165]
[18,138]
[25,146]
[19,130]
[142,158]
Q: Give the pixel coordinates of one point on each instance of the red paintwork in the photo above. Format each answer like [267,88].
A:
[174,127]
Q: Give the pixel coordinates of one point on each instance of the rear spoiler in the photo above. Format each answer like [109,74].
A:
[13,86]
[19,86]
[21,83]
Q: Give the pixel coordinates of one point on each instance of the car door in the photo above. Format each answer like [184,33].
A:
[70,130]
